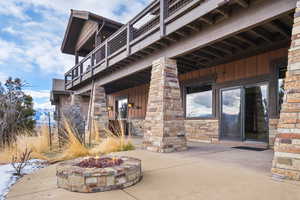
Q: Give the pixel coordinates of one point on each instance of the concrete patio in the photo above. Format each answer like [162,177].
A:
[205,171]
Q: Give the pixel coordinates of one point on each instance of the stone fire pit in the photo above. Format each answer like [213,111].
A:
[98,174]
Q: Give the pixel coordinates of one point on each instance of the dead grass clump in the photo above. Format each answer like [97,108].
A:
[73,148]
[37,143]
[115,141]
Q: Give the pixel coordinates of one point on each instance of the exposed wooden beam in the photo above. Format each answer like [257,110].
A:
[230,44]
[146,50]
[199,56]
[242,20]
[181,33]
[223,50]
[170,39]
[211,53]
[245,40]
[242,3]
[223,12]
[261,34]
[281,28]
[162,43]
[193,27]
[206,20]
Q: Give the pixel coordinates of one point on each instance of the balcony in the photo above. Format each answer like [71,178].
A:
[147,27]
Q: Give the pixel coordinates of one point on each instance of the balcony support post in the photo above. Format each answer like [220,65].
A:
[163,10]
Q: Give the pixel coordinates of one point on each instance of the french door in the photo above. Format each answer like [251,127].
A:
[244,113]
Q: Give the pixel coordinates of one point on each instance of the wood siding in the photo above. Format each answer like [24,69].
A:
[240,69]
[137,95]
[88,29]
[250,67]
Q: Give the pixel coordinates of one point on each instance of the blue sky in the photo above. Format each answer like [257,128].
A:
[31,32]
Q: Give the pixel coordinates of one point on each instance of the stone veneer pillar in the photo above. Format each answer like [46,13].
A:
[98,110]
[164,123]
[286,162]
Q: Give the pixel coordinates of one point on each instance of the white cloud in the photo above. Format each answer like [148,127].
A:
[45,105]
[3,77]
[39,40]
[7,49]
[41,94]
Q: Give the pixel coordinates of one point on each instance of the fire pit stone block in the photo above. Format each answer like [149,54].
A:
[86,180]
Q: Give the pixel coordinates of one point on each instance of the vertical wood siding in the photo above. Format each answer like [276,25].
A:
[240,69]
[137,95]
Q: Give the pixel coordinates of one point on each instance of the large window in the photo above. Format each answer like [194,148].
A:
[199,102]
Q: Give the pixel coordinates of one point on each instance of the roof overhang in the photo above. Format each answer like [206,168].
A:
[75,24]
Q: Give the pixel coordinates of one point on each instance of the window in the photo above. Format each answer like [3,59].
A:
[122,108]
[199,102]
[281,77]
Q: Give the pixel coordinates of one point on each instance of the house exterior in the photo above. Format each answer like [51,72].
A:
[201,70]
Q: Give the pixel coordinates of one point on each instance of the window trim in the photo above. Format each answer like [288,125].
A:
[210,80]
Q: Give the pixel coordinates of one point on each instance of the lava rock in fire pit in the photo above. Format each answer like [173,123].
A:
[100,162]
[98,174]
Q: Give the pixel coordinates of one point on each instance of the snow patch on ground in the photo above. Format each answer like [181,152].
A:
[7,179]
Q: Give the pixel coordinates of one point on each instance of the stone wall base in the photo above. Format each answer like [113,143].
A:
[273,123]
[204,130]
[136,127]
[286,162]
[165,145]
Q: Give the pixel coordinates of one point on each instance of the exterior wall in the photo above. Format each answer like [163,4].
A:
[137,95]
[251,67]
[84,107]
[206,130]
[64,100]
[273,124]
[136,127]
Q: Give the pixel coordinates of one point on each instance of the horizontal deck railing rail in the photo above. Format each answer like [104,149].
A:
[151,20]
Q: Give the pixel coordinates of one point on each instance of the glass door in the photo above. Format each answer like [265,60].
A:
[231,114]
[244,113]
[122,109]
[256,113]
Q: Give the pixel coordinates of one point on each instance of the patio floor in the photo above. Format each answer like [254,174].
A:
[205,171]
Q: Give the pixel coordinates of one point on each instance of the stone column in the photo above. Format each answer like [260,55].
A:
[164,123]
[286,162]
[98,109]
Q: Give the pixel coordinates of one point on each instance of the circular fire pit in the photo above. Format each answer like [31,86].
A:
[98,174]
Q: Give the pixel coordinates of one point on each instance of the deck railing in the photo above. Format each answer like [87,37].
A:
[149,21]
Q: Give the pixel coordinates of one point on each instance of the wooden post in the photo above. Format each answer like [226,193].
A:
[50,134]
[76,58]
[128,39]
[163,11]
[106,53]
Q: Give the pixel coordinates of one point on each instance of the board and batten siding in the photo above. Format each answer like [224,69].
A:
[240,69]
[137,95]
[250,67]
